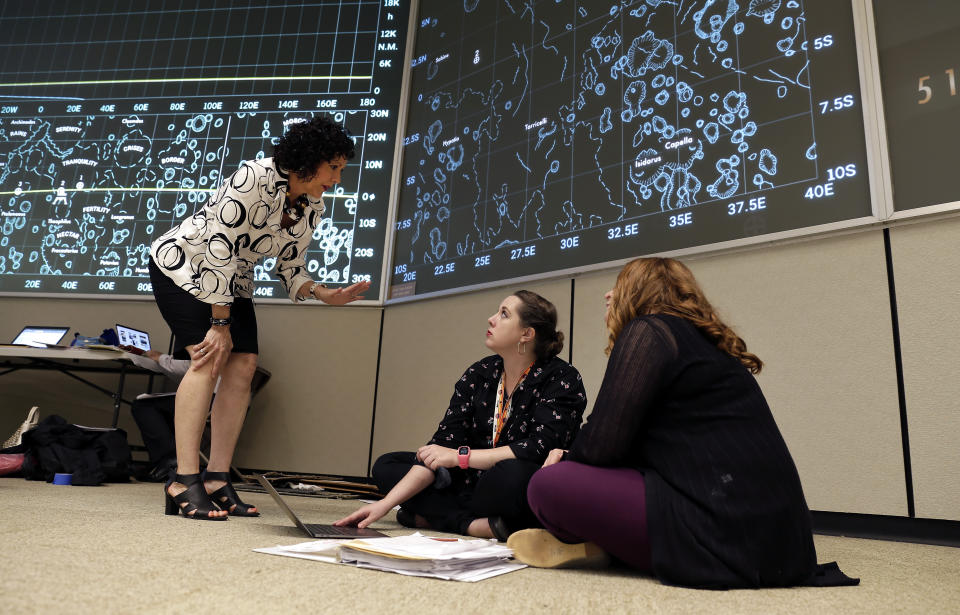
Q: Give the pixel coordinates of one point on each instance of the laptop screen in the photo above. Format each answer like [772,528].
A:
[129,336]
[40,336]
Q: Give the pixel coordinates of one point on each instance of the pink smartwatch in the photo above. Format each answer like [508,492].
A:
[463,456]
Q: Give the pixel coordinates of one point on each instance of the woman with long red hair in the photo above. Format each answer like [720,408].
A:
[680,470]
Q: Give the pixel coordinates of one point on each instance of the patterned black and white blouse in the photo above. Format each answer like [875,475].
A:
[547,409]
[212,253]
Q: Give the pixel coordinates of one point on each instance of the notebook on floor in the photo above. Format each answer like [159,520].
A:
[40,337]
[315,530]
[129,336]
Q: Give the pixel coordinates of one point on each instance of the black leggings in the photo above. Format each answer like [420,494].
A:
[500,491]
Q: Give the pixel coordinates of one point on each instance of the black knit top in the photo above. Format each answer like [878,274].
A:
[724,503]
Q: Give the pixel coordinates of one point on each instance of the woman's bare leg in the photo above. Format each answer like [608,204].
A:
[229,410]
[190,416]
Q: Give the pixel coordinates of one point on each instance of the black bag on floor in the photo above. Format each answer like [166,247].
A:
[91,455]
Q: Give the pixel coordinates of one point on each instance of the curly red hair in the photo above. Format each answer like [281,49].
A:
[666,286]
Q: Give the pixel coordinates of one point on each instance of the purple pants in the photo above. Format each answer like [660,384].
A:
[607,506]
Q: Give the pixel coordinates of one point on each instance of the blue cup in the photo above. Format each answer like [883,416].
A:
[63,479]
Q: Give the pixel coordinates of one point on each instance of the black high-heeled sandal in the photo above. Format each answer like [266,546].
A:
[226,497]
[194,503]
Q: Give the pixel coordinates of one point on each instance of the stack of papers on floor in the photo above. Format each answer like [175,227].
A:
[417,555]
[443,558]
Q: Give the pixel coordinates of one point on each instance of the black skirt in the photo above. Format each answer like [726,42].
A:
[189,318]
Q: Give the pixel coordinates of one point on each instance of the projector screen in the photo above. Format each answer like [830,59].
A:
[560,135]
[117,120]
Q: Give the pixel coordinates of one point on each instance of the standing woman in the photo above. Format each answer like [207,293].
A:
[507,412]
[680,469]
[202,274]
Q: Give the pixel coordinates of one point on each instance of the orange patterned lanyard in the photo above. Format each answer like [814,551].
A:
[502,410]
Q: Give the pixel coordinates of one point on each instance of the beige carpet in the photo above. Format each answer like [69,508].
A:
[110,549]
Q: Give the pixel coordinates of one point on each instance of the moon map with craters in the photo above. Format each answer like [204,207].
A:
[117,122]
[558,135]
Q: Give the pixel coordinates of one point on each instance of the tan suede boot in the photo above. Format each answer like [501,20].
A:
[539,548]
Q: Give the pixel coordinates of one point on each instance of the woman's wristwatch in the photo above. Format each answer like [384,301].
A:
[221,322]
[314,287]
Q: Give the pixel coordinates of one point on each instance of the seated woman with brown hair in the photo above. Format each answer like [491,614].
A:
[680,469]
[507,412]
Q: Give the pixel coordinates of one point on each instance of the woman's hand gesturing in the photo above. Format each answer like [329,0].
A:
[342,296]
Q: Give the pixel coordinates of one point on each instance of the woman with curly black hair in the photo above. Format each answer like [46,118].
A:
[202,275]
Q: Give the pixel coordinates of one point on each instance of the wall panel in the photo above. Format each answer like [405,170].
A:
[927,273]
[315,413]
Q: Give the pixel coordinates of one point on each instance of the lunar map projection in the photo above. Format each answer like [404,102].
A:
[557,134]
[118,120]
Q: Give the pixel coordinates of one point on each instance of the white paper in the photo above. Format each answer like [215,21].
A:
[419,546]
[414,555]
[326,550]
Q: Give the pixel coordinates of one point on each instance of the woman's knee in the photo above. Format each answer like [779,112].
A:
[380,465]
[245,362]
[240,368]
[389,468]
[548,486]
[515,472]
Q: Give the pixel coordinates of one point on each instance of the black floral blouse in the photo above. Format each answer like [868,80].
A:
[547,409]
